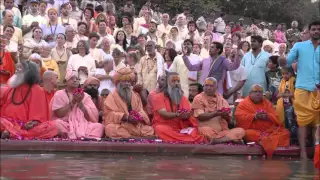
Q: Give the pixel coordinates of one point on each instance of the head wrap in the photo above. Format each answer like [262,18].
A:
[268,43]
[123,74]
[70,74]
[90,80]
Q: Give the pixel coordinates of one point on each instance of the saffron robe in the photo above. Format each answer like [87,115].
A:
[7,65]
[74,123]
[216,127]
[113,111]
[35,107]
[270,133]
[169,130]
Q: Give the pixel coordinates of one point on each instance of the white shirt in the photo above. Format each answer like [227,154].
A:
[75,61]
[107,83]
[27,21]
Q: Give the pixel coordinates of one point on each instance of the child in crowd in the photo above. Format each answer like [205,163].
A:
[285,103]
[273,76]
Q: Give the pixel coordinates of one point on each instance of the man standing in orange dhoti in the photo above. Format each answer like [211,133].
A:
[74,111]
[257,117]
[123,112]
[172,114]
[24,107]
[213,113]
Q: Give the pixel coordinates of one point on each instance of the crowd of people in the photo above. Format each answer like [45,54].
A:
[94,70]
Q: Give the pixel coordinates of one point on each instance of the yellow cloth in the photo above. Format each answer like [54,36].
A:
[307,108]
[282,88]
[50,64]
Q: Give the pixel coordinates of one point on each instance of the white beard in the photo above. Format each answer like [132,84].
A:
[16,80]
[175,94]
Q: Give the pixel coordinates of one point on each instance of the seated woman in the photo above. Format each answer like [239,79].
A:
[74,111]
[33,44]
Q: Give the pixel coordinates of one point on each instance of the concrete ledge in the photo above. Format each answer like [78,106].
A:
[127,147]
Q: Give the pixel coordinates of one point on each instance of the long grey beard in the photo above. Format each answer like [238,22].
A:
[175,94]
[125,94]
[16,80]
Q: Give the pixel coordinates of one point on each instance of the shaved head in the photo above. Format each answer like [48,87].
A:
[49,74]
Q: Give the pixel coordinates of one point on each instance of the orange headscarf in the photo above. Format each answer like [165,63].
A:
[90,80]
[123,74]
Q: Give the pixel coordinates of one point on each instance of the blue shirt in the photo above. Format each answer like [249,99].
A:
[308,59]
[256,68]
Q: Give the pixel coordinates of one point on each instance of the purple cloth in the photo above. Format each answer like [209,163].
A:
[204,67]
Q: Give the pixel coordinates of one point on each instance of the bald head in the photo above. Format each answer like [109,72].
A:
[50,79]
[49,74]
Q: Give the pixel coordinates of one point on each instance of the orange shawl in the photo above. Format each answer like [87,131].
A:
[269,133]
[282,88]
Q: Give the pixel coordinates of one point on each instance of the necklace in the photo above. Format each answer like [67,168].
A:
[254,58]
[60,55]
[24,99]
[55,29]
[148,67]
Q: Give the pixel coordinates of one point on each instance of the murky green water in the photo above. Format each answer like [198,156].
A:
[91,166]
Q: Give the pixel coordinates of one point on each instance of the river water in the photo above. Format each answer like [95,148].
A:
[95,166]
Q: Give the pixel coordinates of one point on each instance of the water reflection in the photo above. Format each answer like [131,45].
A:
[139,167]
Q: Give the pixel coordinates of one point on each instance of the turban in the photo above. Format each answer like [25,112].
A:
[90,80]
[70,74]
[123,74]
[268,43]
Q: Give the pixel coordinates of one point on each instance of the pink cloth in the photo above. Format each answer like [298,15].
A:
[280,36]
[74,123]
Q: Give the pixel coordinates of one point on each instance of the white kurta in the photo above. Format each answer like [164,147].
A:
[76,61]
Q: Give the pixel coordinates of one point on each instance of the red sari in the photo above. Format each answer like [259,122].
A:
[7,65]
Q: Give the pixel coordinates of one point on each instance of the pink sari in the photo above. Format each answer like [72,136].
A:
[74,123]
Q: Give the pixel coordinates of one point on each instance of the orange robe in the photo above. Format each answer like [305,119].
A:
[216,127]
[270,133]
[35,107]
[7,65]
[317,157]
[170,130]
[49,95]
[113,111]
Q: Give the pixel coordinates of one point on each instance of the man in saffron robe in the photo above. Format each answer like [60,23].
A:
[257,117]
[123,113]
[213,113]
[49,84]
[74,111]
[172,120]
[24,107]
[7,64]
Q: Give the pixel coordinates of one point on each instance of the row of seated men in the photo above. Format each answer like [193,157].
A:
[29,111]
